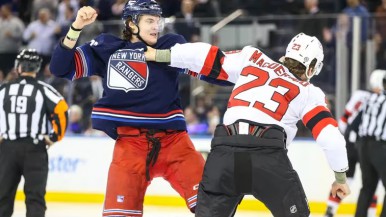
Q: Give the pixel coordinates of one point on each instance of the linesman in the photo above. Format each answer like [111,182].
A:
[27,107]
[372,149]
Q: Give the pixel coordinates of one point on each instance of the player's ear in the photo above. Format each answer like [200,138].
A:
[133,27]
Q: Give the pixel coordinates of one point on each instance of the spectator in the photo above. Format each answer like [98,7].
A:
[213,117]
[63,11]
[60,84]
[25,11]
[311,24]
[51,5]
[40,35]
[344,29]
[380,36]
[193,124]
[355,8]
[170,7]
[104,9]
[65,23]
[201,107]
[117,8]
[206,8]
[186,24]
[76,114]
[97,88]
[83,96]
[10,37]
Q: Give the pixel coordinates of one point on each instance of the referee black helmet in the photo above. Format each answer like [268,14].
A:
[29,60]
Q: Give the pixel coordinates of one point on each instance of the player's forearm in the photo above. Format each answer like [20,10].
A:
[334,147]
[162,56]
[340,177]
[159,55]
[72,36]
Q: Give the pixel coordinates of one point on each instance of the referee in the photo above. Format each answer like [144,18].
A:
[372,149]
[27,106]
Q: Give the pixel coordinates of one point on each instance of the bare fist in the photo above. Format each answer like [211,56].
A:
[340,190]
[85,16]
[150,54]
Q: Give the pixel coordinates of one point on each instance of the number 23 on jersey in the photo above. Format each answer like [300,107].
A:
[261,79]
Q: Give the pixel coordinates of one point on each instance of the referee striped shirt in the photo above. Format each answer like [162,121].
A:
[373,122]
[27,108]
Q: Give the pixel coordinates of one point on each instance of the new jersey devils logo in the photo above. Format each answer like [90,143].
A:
[127,70]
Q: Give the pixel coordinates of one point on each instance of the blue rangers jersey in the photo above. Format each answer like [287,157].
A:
[136,93]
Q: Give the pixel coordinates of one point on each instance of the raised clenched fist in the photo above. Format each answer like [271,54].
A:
[85,16]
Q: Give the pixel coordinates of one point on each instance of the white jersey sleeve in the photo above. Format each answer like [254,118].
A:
[352,108]
[207,60]
[317,117]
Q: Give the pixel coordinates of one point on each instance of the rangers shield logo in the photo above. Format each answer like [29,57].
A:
[127,70]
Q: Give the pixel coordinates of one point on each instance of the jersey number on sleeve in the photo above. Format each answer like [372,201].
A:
[262,77]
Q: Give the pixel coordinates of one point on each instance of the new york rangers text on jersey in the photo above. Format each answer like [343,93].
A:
[136,93]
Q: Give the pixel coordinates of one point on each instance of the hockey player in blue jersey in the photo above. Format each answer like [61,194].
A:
[140,107]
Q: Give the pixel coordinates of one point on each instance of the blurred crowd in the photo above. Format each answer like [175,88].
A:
[39,24]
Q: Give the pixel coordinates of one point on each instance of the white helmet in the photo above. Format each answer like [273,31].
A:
[304,49]
[376,79]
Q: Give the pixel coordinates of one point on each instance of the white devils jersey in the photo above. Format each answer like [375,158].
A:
[266,92]
[352,108]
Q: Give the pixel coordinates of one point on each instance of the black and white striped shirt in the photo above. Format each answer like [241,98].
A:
[27,107]
[373,123]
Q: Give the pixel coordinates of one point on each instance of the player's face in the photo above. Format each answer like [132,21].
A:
[149,26]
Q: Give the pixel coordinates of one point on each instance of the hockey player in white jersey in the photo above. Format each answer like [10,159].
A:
[345,123]
[249,150]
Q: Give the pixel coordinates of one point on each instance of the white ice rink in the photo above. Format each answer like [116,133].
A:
[94,210]
[76,174]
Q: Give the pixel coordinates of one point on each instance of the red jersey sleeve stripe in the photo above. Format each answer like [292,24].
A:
[209,61]
[213,64]
[313,113]
[223,75]
[78,66]
[357,106]
[345,117]
[322,124]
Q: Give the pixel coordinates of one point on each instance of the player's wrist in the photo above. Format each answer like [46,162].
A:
[74,32]
[77,26]
[340,177]
[162,56]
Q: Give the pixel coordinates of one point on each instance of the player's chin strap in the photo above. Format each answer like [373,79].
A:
[138,36]
[153,153]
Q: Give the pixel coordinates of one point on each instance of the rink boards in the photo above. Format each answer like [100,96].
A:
[79,167]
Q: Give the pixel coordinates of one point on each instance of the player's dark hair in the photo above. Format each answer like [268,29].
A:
[296,67]
[127,32]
